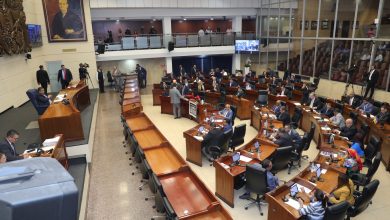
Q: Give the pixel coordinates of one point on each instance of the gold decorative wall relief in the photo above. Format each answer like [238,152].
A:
[13,29]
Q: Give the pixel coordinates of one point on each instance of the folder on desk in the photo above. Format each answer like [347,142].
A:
[51,141]
[199,138]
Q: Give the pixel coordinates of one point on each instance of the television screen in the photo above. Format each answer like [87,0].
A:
[34,35]
[247,46]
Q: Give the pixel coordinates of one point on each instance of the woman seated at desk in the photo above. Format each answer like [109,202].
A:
[353,163]
[316,209]
[344,191]
[357,144]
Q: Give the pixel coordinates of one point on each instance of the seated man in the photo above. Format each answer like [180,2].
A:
[227,113]
[284,116]
[276,108]
[285,92]
[240,93]
[338,119]
[211,139]
[232,83]
[327,110]
[296,138]
[282,138]
[365,107]
[383,116]
[227,125]
[352,100]
[42,98]
[7,146]
[272,180]
[313,101]
[348,131]
[248,86]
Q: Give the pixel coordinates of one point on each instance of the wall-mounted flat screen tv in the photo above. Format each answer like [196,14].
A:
[35,35]
[247,46]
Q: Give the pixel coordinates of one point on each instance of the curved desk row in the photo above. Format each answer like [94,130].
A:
[188,195]
[61,118]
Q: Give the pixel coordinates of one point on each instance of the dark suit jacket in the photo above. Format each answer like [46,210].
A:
[43,100]
[383,117]
[316,103]
[69,76]
[185,90]
[374,78]
[284,140]
[285,118]
[42,77]
[233,84]
[355,103]
[240,94]
[328,112]
[7,149]
[348,132]
[212,138]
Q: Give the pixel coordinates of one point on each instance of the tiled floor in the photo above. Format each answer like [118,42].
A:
[113,191]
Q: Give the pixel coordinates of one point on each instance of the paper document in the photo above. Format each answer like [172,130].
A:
[325,128]
[317,117]
[293,203]
[323,171]
[218,120]
[307,190]
[225,166]
[200,138]
[326,120]
[245,159]
[297,103]
[51,141]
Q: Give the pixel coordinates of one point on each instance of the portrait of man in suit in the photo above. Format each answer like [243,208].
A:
[65,20]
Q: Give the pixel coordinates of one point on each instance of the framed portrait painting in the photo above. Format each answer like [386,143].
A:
[65,20]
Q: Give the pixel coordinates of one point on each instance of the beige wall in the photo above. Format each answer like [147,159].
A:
[18,75]
[154,67]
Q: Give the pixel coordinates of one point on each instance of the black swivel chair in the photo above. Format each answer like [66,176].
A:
[354,116]
[159,193]
[281,158]
[145,170]
[365,130]
[256,182]
[363,199]
[138,156]
[360,179]
[222,146]
[296,118]
[297,154]
[262,98]
[371,149]
[234,110]
[32,95]
[238,136]
[337,211]
[309,139]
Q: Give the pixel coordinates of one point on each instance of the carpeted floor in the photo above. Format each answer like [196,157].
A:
[114,191]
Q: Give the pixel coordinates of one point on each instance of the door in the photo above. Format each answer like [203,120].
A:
[345,29]
[332,27]
[52,69]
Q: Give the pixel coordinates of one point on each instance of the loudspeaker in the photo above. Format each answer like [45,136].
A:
[171,46]
[101,49]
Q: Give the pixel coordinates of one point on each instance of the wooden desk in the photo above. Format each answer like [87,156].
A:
[193,146]
[139,122]
[164,159]
[213,98]
[66,119]
[149,138]
[59,152]
[191,189]
[224,186]
[251,95]
[243,106]
[157,92]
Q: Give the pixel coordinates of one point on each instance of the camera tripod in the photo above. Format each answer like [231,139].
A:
[89,77]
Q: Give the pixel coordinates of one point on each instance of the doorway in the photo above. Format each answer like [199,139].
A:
[345,29]
[52,69]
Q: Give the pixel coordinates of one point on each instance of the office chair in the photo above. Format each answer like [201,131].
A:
[159,193]
[337,211]
[238,136]
[281,158]
[234,110]
[145,170]
[170,213]
[371,149]
[363,199]
[32,95]
[296,118]
[360,179]
[309,139]
[138,157]
[152,186]
[297,154]
[221,147]
[365,130]
[262,98]
[256,182]
[133,149]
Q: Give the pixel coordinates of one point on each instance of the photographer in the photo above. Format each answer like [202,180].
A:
[83,71]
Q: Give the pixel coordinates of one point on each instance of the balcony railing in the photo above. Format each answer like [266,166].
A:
[180,40]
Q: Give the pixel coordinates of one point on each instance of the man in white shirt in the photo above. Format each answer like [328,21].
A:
[371,82]
[201,32]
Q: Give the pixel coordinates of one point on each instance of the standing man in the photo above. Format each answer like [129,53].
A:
[64,76]
[175,100]
[100,78]
[141,75]
[7,146]
[371,82]
[43,78]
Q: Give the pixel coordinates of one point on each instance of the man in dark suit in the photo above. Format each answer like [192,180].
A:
[284,116]
[100,78]
[296,138]
[194,70]
[305,93]
[349,130]
[142,74]
[64,76]
[282,139]
[232,83]
[353,101]
[211,139]
[182,72]
[185,90]
[43,100]
[327,110]
[372,79]
[240,93]
[43,78]
[383,116]
[286,92]
[7,146]
[313,101]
